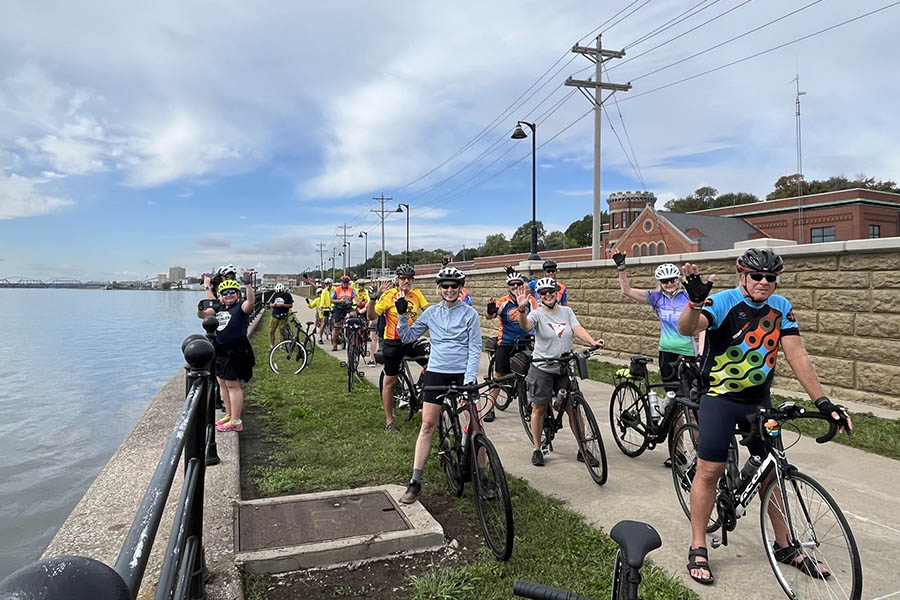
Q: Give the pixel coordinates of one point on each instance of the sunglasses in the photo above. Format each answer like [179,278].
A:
[404,278]
[761,276]
[514,284]
[546,292]
[668,281]
[549,270]
[228,293]
[449,286]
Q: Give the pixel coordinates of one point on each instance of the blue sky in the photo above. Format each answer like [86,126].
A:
[134,137]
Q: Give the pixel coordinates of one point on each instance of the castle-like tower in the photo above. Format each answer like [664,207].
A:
[624,207]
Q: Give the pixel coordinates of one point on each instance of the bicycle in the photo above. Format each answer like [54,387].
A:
[465,452]
[590,442]
[309,341]
[635,540]
[634,428]
[509,392]
[791,501]
[290,355]
[407,395]
[358,336]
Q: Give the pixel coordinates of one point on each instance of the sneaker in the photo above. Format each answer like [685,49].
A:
[371,363]
[489,416]
[590,458]
[231,426]
[391,428]
[321,342]
[223,420]
[413,491]
[334,348]
[537,458]
[489,489]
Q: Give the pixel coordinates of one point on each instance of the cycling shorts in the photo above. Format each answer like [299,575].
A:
[394,352]
[502,354]
[340,314]
[543,386]
[717,420]
[432,378]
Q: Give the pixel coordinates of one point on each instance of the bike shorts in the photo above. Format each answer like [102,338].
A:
[340,315]
[717,420]
[394,352]
[432,378]
[543,386]
[235,360]
[275,323]
[502,354]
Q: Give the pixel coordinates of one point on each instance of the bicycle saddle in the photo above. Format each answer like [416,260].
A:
[636,540]
[310,322]
[640,358]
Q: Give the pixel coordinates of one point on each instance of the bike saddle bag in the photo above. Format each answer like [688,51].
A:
[581,364]
[490,345]
[379,357]
[520,362]
[638,367]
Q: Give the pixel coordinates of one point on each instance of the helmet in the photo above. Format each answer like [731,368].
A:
[546,283]
[760,259]
[514,276]
[666,271]
[229,284]
[549,264]
[229,268]
[329,280]
[345,279]
[450,274]
[406,270]
[280,287]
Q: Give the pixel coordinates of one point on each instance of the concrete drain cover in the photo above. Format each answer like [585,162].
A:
[274,535]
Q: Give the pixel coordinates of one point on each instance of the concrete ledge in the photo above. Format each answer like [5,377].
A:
[424,534]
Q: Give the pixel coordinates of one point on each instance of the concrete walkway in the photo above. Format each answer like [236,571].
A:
[866,486]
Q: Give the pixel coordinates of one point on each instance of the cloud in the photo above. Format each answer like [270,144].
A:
[19,197]
[151,203]
[575,192]
[213,241]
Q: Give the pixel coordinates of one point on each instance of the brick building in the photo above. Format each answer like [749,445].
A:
[830,217]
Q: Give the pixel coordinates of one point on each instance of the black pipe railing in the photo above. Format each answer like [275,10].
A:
[184,565]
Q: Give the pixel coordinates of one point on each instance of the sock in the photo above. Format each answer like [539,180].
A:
[417,475]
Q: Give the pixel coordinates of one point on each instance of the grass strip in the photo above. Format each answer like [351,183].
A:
[328,439]
[870,433]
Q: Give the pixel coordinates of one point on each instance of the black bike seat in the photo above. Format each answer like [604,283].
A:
[636,540]
[310,322]
[640,358]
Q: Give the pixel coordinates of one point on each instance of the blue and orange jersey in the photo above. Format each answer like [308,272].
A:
[465,296]
[340,293]
[509,331]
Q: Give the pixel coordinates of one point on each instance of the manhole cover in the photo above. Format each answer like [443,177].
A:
[297,522]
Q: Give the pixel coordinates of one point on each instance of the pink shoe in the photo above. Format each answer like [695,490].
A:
[231,426]
[223,420]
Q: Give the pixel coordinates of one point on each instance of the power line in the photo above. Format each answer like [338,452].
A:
[624,151]
[670,23]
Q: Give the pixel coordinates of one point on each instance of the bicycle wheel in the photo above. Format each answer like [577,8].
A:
[622,586]
[629,419]
[352,364]
[524,409]
[817,528]
[401,390]
[683,453]
[414,394]
[287,357]
[492,501]
[309,342]
[450,450]
[589,440]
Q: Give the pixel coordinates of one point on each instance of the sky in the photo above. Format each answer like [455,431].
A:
[138,136]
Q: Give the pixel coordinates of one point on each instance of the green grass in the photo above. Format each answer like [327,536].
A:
[329,439]
[870,433]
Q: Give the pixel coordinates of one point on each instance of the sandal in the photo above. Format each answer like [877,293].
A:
[812,567]
[693,555]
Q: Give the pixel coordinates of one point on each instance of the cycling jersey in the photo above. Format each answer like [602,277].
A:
[509,331]
[362,299]
[325,300]
[465,296]
[560,295]
[742,344]
[385,306]
[340,295]
[668,310]
[280,311]
[455,333]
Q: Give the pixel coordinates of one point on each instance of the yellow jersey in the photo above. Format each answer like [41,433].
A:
[385,306]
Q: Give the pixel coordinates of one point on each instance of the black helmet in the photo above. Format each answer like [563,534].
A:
[406,270]
[549,264]
[763,260]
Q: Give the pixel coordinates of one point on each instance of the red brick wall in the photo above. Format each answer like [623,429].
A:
[850,222]
[674,242]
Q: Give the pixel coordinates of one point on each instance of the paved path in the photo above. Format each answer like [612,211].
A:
[866,486]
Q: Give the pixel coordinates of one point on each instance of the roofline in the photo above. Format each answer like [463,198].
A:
[678,229]
[805,207]
[795,198]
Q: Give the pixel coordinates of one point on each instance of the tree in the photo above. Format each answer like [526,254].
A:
[521,239]
[494,245]
[557,240]
[708,197]
[581,231]
[786,186]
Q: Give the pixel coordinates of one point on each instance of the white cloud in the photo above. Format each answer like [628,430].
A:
[19,197]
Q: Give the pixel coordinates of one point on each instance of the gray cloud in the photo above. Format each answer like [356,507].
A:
[213,241]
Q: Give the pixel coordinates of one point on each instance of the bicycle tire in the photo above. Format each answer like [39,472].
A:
[843,561]
[309,342]
[352,364]
[591,444]
[401,389]
[629,419]
[525,410]
[683,454]
[492,502]
[288,352]
[622,588]
[450,452]
[415,394]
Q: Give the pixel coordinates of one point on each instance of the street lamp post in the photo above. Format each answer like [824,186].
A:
[407,227]
[518,134]
[365,234]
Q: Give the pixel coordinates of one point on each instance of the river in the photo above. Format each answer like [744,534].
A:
[77,370]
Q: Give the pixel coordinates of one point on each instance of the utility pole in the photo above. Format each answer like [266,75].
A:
[598,56]
[381,214]
[799,163]
[344,246]
[333,258]
[321,247]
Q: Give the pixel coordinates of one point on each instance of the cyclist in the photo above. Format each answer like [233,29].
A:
[550,269]
[343,298]
[362,300]
[554,327]
[465,295]
[323,307]
[744,326]
[383,303]
[455,350]
[510,336]
[281,303]
[234,354]
[224,272]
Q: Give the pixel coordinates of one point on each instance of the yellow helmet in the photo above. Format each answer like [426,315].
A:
[229,284]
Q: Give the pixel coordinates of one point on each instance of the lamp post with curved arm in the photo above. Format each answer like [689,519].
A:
[519,134]
[407,227]
[365,234]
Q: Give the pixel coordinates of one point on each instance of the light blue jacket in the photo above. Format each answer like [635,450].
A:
[455,338]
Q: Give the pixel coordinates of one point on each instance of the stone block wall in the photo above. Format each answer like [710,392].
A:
[846,297]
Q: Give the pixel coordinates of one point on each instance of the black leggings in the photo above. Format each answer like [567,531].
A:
[432,378]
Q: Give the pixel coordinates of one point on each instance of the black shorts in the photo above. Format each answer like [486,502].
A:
[503,353]
[235,361]
[432,378]
[718,419]
[340,315]
[668,368]
[394,352]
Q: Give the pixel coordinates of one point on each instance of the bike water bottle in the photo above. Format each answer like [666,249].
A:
[666,401]
[560,397]
[750,467]
[655,413]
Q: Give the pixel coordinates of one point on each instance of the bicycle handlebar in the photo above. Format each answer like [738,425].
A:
[539,591]
[789,411]
[568,355]
[472,387]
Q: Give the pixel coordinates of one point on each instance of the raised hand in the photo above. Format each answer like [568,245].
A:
[696,288]
[522,298]
[618,257]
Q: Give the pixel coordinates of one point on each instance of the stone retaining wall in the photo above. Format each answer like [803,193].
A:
[846,297]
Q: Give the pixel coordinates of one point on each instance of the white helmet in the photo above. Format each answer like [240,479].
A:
[514,276]
[280,287]
[329,280]
[450,274]
[229,268]
[546,283]
[667,271]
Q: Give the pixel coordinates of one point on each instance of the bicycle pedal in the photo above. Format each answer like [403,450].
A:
[545,450]
[716,543]
[343,364]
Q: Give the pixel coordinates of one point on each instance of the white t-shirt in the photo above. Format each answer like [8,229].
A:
[553,332]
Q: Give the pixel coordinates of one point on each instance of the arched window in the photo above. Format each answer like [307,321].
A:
[660,248]
[635,251]
[652,249]
[613,220]
[644,249]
